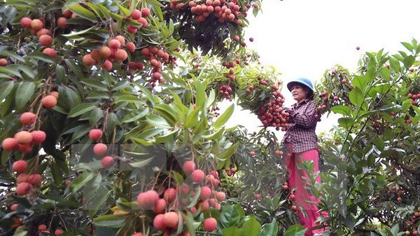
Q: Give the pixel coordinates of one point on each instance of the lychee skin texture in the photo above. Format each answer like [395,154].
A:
[38,136]
[95,134]
[23,188]
[3,62]
[131,47]
[105,52]
[62,23]
[55,94]
[88,60]
[169,194]
[14,207]
[100,149]
[189,167]
[107,65]
[170,219]
[136,14]
[37,24]
[27,118]
[45,40]
[145,12]
[50,52]
[35,179]
[210,224]
[25,148]
[158,222]
[49,101]
[22,178]
[197,176]
[205,193]
[147,200]
[26,22]
[20,166]
[42,227]
[23,137]
[43,32]
[58,231]
[10,144]
[121,39]
[120,55]
[221,196]
[160,206]
[114,44]
[107,162]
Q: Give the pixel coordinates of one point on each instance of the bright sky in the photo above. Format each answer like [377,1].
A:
[307,37]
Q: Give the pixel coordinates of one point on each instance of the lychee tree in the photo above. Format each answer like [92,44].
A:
[371,159]
[109,124]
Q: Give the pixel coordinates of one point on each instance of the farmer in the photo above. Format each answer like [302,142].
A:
[300,142]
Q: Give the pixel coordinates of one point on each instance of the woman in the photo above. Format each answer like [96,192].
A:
[300,142]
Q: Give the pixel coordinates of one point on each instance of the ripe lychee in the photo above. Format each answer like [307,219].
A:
[38,136]
[189,167]
[100,149]
[35,179]
[25,148]
[95,134]
[3,62]
[96,55]
[14,207]
[88,60]
[114,44]
[197,176]
[20,166]
[105,52]
[145,12]
[22,178]
[160,206]
[121,39]
[27,118]
[45,40]
[23,137]
[107,162]
[136,14]
[171,219]
[158,222]
[131,47]
[50,52]
[147,200]
[205,193]
[43,32]
[55,94]
[62,23]
[142,21]
[26,22]
[10,144]
[137,234]
[37,24]
[169,194]
[120,55]
[23,188]
[49,101]
[221,196]
[210,224]
[58,231]
[107,65]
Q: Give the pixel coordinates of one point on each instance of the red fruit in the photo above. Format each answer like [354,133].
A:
[62,23]
[114,44]
[158,222]
[413,103]
[107,162]
[22,178]
[292,197]
[35,179]
[58,231]
[236,38]
[137,234]
[100,149]
[147,200]
[142,21]
[251,40]
[23,137]
[169,194]
[145,51]
[55,94]
[171,219]
[145,12]
[38,136]
[88,60]
[43,32]
[120,55]
[160,54]
[160,206]
[409,121]
[26,22]
[131,47]
[14,207]
[136,14]
[10,144]
[67,13]
[357,48]
[197,176]
[204,206]
[205,193]
[344,81]
[96,55]
[49,101]
[189,167]
[210,224]
[131,29]
[50,52]
[121,39]
[257,195]
[107,65]
[42,227]
[20,166]
[156,75]
[105,52]
[3,62]
[294,208]
[221,196]
[252,153]
[37,24]
[23,188]
[139,66]
[25,148]
[95,134]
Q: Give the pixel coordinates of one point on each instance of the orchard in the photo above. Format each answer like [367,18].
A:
[111,125]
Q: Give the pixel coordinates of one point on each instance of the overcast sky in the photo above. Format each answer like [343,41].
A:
[306,37]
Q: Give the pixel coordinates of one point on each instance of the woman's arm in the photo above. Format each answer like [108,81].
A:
[306,118]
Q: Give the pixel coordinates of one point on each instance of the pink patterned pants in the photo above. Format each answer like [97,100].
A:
[297,181]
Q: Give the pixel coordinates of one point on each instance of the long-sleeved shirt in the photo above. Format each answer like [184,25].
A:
[301,132]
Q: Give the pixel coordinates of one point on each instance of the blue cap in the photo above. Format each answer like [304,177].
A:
[303,81]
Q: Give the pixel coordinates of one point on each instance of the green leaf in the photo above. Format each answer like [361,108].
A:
[61,74]
[95,84]
[157,121]
[271,229]
[40,56]
[356,97]
[385,74]
[210,99]
[229,216]
[83,12]
[341,109]
[395,64]
[123,10]
[121,85]
[192,118]
[228,152]
[6,88]
[295,230]
[25,69]
[81,109]
[379,143]
[12,55]
[95,115]
[233,231]
[56,173]
[408,46]
[98,95]
[75,68]
[148,95]
[216,135]
[345,122]
[252,227]
[200,95]
[408,61]
[360,81]
[24,93]
[128,98]
[9,70]
[142,163]
[135,115]
[81,181]
[224,117]
[111,221]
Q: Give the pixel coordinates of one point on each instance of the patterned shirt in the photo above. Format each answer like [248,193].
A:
[301,130]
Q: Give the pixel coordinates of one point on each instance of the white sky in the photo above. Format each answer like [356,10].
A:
[303,38]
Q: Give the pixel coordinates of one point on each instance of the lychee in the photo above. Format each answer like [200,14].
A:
[50,52]
[45,40]
[107,162]
[205,193]
[100,149]
[20,166]
[49,101]
[22,178]
[137,234]
[147,200]
[169,194]
[145,12]
[136,14]
[10,144]
[221,196]
[121,39]
[35,179]
[189,167]
[37,24]
[3,62]
[120,55]
[114,44]
[58,231]
[197,176]
[38,136]
[55,94]
[105,52]
[42,227]
[23,188]
[26,22]
[160,206]
[107,65]
[96,55]
[158,222]
[23,137]
[88,60]
[43,32]
[210,224]
[62,23]
[25,148]
[95,134]
[171,219]
[131,47]
[14,207]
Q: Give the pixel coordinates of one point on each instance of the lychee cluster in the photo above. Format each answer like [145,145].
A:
[225,90]
[25,182]
[272,114]
[36,26]
[43,229]
[111,53]
[415,97]
[156,57]
[140,16]
[230,75]
[101,149]
[230,171]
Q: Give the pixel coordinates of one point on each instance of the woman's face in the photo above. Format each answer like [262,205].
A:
[299,92]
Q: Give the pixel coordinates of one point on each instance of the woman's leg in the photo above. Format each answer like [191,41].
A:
[303,196]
